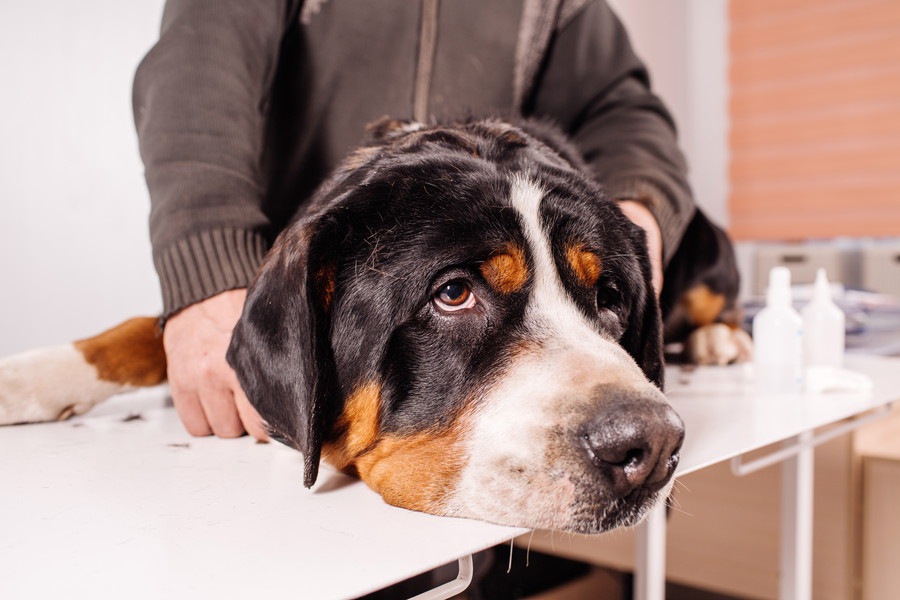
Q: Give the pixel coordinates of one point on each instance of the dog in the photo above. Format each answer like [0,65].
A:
[462,319]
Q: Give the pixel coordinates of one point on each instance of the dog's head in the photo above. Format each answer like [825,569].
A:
[466,322]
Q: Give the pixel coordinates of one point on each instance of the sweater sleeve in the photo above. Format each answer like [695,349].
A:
[594,85]
[199,106]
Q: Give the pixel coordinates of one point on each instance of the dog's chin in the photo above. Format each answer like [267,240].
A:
[588,516]
[626,512]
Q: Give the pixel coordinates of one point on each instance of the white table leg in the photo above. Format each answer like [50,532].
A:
[797,523]
[452,588]
[650,559]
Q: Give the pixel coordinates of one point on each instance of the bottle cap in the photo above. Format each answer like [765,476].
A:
[779,292]
[822,289]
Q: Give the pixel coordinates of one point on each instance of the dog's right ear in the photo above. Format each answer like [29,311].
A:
[280,348]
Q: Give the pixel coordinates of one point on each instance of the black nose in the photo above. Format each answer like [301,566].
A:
[634,440]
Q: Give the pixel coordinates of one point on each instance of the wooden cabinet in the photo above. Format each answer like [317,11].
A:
[878,447]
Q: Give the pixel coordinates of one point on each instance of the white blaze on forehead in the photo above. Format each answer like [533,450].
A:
[571,343]
[550,306]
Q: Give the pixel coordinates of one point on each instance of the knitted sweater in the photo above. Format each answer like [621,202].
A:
[242,109]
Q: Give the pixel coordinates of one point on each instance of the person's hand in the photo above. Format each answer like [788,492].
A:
[204,388]
[641,216]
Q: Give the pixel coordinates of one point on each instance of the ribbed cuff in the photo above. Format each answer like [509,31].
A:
[207,263]
[671,223]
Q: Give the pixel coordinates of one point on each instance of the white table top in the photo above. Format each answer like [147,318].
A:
[96,507]
[724,416]
[103,507]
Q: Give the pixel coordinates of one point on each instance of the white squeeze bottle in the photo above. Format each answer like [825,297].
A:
[778,338]
[823,327]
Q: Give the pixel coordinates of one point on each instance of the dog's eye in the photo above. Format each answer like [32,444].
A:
[454,296]
[608,297]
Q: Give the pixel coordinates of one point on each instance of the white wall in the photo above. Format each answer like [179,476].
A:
[74,248]
[685,46]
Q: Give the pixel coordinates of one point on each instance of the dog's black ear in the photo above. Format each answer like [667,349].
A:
[280,349]
[643,338]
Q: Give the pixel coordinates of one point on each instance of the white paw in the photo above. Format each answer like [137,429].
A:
[718,344]
[49,384]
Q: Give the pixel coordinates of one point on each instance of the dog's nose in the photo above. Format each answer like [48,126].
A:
[634,440]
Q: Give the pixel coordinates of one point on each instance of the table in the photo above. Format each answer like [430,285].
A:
[109,505]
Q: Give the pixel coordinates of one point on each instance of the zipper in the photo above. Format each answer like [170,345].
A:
[425,64]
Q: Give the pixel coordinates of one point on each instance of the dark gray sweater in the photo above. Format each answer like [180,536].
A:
[243,107]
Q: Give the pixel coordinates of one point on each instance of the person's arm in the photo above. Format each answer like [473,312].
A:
[199,104]
[598,90]
[199,107]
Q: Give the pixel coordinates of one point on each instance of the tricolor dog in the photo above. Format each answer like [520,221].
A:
[462,319]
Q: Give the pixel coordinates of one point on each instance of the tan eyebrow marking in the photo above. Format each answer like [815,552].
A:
[506,271]
[586,265]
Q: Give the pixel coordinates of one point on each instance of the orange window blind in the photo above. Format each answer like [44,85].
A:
[815,118]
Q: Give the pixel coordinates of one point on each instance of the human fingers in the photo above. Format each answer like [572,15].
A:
[253,423]
[196,339]
[190,411]
[218,403]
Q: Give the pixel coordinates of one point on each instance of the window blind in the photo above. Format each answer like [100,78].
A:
[815,118]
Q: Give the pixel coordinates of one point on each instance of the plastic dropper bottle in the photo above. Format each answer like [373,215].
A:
[823,327]
[778,339]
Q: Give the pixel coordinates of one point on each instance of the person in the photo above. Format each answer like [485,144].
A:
[242,108]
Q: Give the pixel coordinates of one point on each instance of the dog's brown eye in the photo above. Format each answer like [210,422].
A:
[454,296]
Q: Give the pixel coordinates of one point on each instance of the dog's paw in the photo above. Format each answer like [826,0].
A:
[718,344]
[49,384]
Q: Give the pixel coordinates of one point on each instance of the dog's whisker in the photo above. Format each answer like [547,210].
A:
[382,272]
[680,510]
[682,485]
[528,548]
[673,502]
